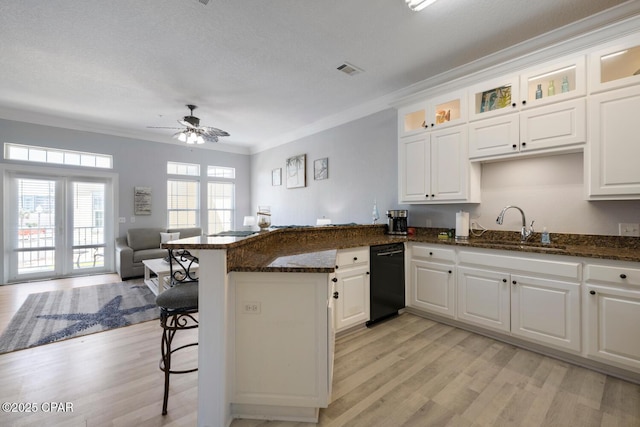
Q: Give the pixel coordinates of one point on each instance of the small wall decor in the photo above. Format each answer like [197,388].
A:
[321,169]
[276,177]
[296,171]
[495,98]
[142,200]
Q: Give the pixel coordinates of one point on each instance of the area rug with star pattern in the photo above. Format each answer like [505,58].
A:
[48,317]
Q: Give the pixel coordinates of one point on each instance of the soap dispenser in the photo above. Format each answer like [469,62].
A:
[545,239]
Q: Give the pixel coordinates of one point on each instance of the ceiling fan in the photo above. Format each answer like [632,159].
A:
[193,133]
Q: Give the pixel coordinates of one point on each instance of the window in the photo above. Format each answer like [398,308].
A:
[29,153]
[221,206]
[188,169]
[183,203]
[221,172]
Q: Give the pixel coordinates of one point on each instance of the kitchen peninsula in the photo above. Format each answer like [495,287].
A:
[242,277]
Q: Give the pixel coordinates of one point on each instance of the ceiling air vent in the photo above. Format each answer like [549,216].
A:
[349,69]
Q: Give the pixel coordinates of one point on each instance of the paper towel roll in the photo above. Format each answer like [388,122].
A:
[462,225]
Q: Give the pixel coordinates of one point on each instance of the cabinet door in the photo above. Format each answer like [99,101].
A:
[546,311]
[449,164]
[494,97]
[553,82]
[483,298]
[352,304]
[554,126]
[616,65]
[613,316]
[432,287]
[613,152]
[412,119]
[494,137]
[447,110]
[414,169]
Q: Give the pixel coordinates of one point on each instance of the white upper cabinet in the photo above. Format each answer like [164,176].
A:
[553,82]
[436,112]
[412,119]
[447,110]
[615,65]
[611,160]
[434,168]
[494,97]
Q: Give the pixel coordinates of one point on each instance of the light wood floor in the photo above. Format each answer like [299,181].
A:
[406,372]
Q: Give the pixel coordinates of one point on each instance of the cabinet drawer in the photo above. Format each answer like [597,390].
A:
[432,253]
[352,257]
[619,275]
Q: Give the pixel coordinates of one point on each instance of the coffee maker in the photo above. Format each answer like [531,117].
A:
[397,221]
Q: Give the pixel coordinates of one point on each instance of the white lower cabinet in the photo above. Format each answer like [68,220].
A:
[612,301]
[483,298]
[547,311]
[520,300]
[432,280]
[351,288]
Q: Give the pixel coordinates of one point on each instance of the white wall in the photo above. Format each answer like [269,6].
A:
[363,166]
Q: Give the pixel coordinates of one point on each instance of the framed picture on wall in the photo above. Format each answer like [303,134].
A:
[321,169]
[296,171]
[142,200]
[276,177]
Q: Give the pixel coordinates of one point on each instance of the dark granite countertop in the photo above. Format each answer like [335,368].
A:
[313,249]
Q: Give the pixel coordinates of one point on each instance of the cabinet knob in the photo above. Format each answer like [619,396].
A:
[592,292]
[335,295]
[355,258]
[431,253]
[504,280]
[432,125]
[514,146]
[368,272]
[524,102]
[450,271]
[337,266]
[334,280]
[623,276]
[514,282]
[513,105]
[433,195]
[524,143]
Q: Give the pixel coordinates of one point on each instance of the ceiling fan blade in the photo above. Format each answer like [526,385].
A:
[216,131]
[161,127]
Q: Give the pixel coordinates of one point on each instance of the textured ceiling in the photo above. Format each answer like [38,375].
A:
[257,69]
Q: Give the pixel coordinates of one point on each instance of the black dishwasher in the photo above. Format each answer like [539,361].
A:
[387,281]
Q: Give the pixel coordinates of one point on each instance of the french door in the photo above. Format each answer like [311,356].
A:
[59,226]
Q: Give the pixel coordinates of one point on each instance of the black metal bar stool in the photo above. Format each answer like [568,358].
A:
[178,304]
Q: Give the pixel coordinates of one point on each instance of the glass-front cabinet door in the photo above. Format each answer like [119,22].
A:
[553,82]
[494,97]
[412,119]
[616,65]
[447,110]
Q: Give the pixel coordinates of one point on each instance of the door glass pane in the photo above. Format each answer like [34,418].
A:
[619,65]
[36,225]
[88,224]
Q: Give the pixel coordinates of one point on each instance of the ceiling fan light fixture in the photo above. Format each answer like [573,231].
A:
[182,137]
[418,5]
[199,140]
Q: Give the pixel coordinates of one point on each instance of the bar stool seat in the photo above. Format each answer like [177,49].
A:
[178,305]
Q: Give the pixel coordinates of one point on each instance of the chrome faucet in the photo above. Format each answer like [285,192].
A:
[524,233]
